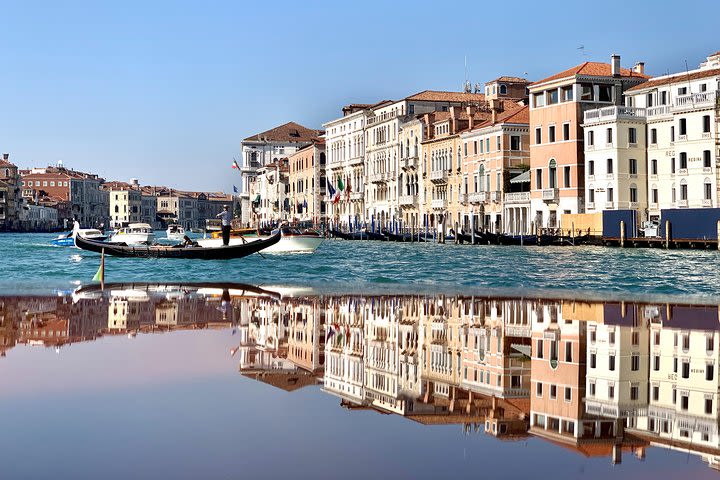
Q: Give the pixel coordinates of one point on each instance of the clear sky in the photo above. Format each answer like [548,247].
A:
[165,90]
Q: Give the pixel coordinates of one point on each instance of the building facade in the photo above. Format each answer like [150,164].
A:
[306,177]
[11,201]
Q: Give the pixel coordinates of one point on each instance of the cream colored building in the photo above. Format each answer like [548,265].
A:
[411,199]
[125,206]
[307,182]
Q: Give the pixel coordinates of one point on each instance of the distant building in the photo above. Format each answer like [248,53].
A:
[265,148]
[10,195]
[125,203]
[306,177]
[35,217]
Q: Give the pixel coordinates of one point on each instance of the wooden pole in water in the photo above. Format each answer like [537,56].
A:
[472,229]
[667,233]
[718,234]
[572,232]
[622,233]
[457,237]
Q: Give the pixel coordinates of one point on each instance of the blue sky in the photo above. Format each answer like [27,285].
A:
[165,91]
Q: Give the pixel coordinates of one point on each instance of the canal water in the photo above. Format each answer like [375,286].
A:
[232,381]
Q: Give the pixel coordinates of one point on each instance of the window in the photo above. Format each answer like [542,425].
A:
[591,138]
[498,144]
[503,89]
[683,160]
[566,131]
[591,167]
[568,394]
[635,362]
[675,364]
[683,191]
[684,402]
[674,396]
[672,133]
[703,87]
[634,391]
[706,123]
[552,97]
[553,391]
[632,136]
[608,135]
[707,159]
[609,166]
[540,352]
[672,165]
[686,369]
[539,389]
[605,93]
[633,166]
[655,393]
[663,98]
[538,136]
[593,360]
[487,144]
[515,143]
[610,195]
[568,352]
[567,94]
[653,167]
[592,389]
[538,178]
[709,371]
[683,126]
[649,100]
[708,190]
[682,91]
[654,195]
[708,406]
[633,194]
[411,109]
[587,92]
[653,136]
[636,338]
[475,150]
[591,196]
[611,362]
[709,343]
[611,391]
[551,133]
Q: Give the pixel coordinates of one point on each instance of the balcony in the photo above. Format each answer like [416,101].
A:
[495,196]
[478,197]
[695,100]
[682,203]
[609,205]
[550,195]
[439,204]
[409,162]
[357,195]
[463,198]
[659,111]
[517,197]
[408,200]
[610,114]
[439,176]
[377,177]
[383,117]
[707,202]
[590,205]
[359,160]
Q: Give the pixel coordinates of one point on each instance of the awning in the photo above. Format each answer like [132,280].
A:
[257,199]
[522,178]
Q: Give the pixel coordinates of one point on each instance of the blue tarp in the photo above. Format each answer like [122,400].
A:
[612,219]
[690,223]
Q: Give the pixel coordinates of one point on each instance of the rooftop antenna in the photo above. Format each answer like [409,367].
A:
[687,73]
[467,86]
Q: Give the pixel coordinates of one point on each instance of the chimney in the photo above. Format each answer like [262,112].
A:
[453,119]
[639,68]
[426,122]
[470,110]
[495,107]
[6,156]
[615,65]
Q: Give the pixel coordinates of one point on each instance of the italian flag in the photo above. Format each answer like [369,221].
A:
[235,165]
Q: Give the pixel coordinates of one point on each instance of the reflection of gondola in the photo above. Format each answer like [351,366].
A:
[190,252]
[222,288]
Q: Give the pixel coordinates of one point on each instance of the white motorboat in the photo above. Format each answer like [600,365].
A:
[134,234]
[68,239]
[175,232]
[292,240]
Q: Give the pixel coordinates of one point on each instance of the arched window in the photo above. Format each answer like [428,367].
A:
[503,89]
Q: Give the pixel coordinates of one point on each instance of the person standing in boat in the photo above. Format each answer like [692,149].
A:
[226,218]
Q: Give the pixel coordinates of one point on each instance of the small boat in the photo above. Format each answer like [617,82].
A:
[292,240]
[68,239]
[135,234]
[175,232]
[178,251]
[518,239]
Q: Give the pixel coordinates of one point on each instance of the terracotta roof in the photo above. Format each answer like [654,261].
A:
[591,69]
[289,132]
[5,163]
[509,80]
[438,96]
[678,77]
[284,380]
[514,113]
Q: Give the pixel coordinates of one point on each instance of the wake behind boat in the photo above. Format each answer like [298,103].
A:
[178,251]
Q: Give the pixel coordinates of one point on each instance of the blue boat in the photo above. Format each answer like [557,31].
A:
[68,239]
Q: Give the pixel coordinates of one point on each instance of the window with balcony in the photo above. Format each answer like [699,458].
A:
[591,138]
[708,406]
[609,164]
[683,126]
[682,91]
[655,393]
[663,98]
[538,136]
[608,135]
[706,123]
[703,87]
[592,389]
[566,131]
[632,135]
[649,100]
[683,161]
[653,167]
[552,175]
[653,136]
[515,143]
[591,167]
[633,166]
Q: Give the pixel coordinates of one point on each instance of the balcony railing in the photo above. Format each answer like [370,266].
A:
[407,200]
[357,195]
[382,117]
[495,196]
[517,197]
[590,205]
[439,176]
[377,177]
[358,160]
[613,113]
[682,203]
[478,197]
[550,194]
[409,162]
[439,203]
[693,100]
[463,198]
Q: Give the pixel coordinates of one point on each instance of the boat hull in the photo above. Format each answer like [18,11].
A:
[287,244]
[160,251]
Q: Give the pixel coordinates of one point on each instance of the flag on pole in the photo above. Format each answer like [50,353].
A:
[331,191]
[348,189]
[100,275]
[340,184]
[235,165]
[235,190]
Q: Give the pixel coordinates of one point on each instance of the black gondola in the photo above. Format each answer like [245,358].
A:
[189,252]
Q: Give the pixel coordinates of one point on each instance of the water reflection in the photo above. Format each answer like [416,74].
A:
[601,378]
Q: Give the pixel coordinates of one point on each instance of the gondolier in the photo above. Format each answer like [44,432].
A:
[226,218]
